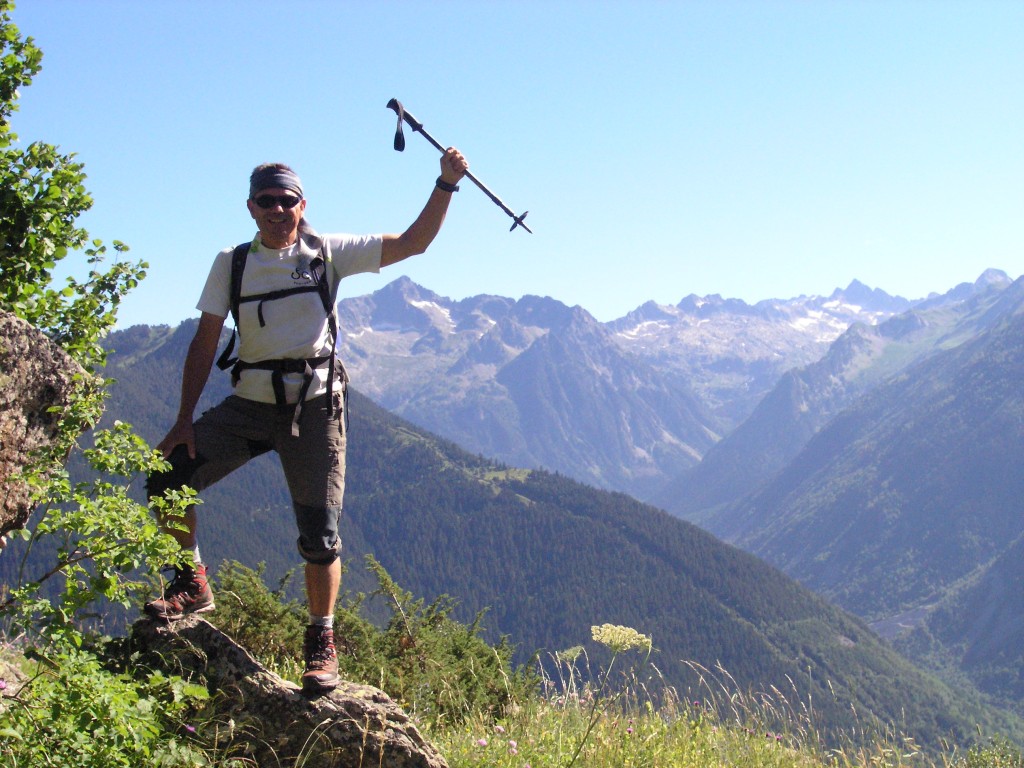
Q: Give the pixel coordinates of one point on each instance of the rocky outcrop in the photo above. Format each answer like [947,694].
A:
[271,720]
[35,376]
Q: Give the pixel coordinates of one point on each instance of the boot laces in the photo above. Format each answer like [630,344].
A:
[184,585]
[320,646]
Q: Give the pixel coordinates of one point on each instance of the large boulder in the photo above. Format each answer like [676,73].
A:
[36,376]
[271,720]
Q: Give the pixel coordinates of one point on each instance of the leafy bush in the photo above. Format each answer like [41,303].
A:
[75,712]
[997,754]
[266,622]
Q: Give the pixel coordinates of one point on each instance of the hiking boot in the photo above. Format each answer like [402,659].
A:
[321,672]
[189,592]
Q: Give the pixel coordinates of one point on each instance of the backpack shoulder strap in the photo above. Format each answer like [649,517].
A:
[323,286]
[323,282]
[238,257]
[336,368]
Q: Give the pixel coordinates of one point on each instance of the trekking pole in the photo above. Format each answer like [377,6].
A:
[417,126]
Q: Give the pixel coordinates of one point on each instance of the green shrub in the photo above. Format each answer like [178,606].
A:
[268,624]
[437,668]
[999,753]
[73,711]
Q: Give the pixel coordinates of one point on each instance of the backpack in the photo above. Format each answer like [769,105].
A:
[282,366]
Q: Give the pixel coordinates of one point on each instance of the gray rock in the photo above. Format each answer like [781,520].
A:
[271,720]
[35,376]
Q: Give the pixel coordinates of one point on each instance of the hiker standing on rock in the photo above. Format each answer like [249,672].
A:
[289,386]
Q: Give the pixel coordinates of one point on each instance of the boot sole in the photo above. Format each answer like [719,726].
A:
[313,687]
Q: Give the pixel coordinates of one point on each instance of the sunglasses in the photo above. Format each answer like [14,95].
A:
[269,201]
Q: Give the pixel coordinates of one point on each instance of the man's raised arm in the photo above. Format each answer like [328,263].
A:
[421,233]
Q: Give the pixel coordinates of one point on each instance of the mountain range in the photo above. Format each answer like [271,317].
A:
[806,397]
[624,405]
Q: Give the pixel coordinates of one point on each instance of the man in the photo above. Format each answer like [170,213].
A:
[288,386]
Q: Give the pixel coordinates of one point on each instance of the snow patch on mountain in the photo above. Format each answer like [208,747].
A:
[435,311]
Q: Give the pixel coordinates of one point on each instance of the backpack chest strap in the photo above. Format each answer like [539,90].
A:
[274,295]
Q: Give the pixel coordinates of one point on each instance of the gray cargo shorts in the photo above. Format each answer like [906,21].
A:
[237,430]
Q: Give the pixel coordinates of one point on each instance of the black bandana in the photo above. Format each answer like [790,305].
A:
[275,177]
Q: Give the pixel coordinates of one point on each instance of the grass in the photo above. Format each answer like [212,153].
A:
[632,725]
[546,733]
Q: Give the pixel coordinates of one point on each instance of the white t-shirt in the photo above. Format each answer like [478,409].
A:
[295,326]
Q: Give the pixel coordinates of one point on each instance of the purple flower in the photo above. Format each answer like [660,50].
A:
[481,742]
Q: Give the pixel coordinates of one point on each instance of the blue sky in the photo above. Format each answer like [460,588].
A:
[750,149]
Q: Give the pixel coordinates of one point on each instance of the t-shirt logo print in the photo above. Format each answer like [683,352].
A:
[301,273]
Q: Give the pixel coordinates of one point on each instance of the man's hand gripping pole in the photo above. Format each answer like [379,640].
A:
[417,127]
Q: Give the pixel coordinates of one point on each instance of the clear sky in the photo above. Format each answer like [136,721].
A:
[750,149]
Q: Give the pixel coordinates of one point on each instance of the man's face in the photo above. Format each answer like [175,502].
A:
[278,224]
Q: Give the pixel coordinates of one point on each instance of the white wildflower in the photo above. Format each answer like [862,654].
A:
[620,638]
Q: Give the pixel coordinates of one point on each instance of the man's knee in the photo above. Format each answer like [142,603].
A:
[318,541]
[317,555]
[183,469]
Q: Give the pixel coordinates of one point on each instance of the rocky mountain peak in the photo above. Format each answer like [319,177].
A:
[993,277]
[871,299]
